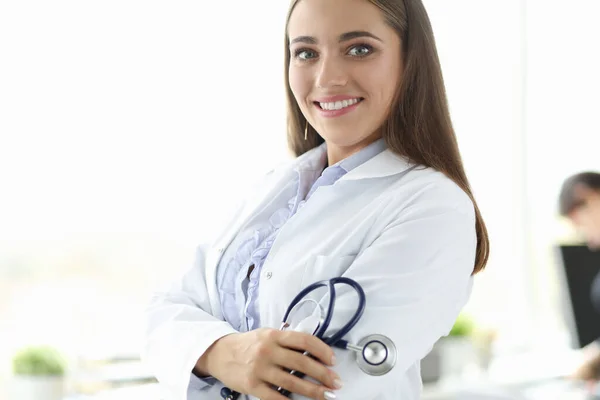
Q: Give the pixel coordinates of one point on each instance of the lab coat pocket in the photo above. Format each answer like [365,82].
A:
[320,268]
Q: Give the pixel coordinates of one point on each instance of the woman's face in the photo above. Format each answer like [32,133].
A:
[344,70]
[586,217]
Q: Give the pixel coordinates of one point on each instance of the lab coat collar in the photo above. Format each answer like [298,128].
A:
[384,164]
[312,160]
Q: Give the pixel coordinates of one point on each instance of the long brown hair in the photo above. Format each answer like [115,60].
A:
[419,125]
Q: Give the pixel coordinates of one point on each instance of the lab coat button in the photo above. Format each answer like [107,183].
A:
[269,275]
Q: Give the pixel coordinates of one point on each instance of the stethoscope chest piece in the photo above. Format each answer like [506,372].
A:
[378,355]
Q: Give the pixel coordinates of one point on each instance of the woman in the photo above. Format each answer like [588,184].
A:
[377,193]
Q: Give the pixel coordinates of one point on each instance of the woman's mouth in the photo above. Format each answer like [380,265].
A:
[338,105]
[337,108]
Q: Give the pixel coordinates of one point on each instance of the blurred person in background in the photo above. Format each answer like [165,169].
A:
[579,202]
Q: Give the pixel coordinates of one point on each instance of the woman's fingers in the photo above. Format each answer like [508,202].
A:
[255,361]
[295,361]
[285,380]
[264,392]
[305,342]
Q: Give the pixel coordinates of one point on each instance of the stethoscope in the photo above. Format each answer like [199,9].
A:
[375,354]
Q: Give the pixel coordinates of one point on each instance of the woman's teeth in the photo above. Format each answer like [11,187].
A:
[338,105]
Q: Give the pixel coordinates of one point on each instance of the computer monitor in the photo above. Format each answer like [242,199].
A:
[579,267]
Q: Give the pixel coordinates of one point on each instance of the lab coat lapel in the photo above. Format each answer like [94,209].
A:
[216,250]
[273,183]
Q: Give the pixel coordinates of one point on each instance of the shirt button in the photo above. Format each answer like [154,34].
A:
[269,275]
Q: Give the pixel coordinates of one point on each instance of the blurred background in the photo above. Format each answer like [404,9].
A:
[128,130]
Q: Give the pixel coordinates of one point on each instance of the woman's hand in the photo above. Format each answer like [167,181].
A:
[589,370]
[253,362]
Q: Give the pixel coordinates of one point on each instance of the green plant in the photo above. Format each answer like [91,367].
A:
[38,361]
[463,326]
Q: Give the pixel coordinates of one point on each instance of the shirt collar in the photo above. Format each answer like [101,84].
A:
[316,159]
[385,163]
[358,158]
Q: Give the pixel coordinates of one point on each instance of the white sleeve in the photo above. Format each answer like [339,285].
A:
[198,384]
[179,329]
[417,277]
[180,326]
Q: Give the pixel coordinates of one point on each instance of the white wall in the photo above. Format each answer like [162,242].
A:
[133,115]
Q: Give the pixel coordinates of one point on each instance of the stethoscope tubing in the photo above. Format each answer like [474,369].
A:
[330,340]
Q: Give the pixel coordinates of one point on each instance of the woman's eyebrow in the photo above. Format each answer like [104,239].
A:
[343,37]
[357,34]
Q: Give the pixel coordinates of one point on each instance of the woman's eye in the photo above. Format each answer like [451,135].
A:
[360,50]
[305,54]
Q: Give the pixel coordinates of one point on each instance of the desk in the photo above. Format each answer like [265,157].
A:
[549,391]
[526,376]
[149,391]
[529,376]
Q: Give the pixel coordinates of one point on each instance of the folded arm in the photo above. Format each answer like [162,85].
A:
[417,277]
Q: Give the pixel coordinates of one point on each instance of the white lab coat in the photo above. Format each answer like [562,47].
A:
[406,233]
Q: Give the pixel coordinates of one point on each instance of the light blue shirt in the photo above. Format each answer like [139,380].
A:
[239,293]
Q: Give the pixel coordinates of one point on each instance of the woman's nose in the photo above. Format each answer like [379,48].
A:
[331,73]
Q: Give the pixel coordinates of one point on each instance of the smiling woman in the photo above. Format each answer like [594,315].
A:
[376,193]
[393,87]
[344,79]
